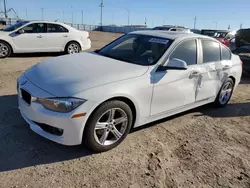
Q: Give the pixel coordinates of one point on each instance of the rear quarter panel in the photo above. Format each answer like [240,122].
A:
[236,70]
[81,37]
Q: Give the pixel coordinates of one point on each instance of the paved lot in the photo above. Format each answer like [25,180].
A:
[205,147]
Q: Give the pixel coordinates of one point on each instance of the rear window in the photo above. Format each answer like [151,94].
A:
[225,53]
[211,51]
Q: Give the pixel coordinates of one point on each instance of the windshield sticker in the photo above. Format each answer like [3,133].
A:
[160,41]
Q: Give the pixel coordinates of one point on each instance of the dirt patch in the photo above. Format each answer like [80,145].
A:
[205,147]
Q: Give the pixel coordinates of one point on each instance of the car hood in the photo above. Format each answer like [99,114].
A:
[64,76]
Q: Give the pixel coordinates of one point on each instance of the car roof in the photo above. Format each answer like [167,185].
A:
[48,22]
[172,35]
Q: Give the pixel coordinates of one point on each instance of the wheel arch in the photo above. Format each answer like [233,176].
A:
[65,48]
[234,80]
[126,100]
[11,48]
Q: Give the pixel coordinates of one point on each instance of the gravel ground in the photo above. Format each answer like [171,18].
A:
[205,147]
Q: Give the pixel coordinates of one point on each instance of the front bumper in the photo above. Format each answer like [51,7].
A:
[35,114]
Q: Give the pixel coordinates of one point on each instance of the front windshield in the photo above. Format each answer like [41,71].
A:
[14,27]
[137,49]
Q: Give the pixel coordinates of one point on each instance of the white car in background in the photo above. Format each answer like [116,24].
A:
[96,98]
[42,36]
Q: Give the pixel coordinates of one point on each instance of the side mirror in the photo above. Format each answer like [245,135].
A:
[174,64]
[21,31]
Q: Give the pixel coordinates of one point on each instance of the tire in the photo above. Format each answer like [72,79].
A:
[72,48]
[94,134]
[5,49]
[224,96]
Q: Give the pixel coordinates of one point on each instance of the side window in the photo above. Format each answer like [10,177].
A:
[225,53]
[211,51]
[28,28]
[55,28]
[35,28]
[186,51]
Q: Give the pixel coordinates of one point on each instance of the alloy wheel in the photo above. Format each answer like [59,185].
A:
[4,50]
[226,93]
[73,48]
[111,126]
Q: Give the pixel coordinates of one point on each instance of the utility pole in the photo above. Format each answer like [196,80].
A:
[101,5]
[163,23]
[145,21]
[128,15]
[113,19]
[241,25]
[42,12]
[63,16]
[26,13]
[5,9]
[82,16]
[216,24]
[195,19]
[72,16]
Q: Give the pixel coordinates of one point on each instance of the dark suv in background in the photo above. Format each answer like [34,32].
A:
[240,45]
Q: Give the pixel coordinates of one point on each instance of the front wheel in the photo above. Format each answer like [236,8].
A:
[225,93]
[5,50]
[108,126]
[73,48]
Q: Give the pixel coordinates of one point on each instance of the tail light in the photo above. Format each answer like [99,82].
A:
[88,36]
[241,63]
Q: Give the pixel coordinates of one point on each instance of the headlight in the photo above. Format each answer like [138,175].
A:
[61,104]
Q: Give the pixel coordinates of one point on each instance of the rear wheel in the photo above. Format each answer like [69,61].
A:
[73,48]
[108,126]
[5,50]
[225,93]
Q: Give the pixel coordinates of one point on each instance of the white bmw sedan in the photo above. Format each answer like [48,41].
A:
[42,36]
[96,98]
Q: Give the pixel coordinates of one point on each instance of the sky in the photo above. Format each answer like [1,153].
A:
[210,13]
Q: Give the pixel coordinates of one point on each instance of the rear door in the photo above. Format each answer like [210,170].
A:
[209,81]
[57,37]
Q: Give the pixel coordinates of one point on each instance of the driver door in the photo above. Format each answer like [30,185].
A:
[173,88]
[32,40]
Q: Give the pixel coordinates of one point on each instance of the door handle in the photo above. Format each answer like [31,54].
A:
[39,36]
[65,35]
[225,68]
